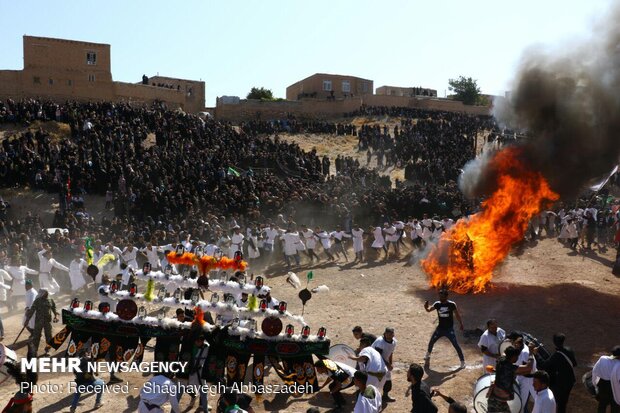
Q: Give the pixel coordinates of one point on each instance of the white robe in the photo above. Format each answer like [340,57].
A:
[152,256]
[29,298]
[358,240]
[526,384]
[291,243]
[375,364]
[46,281]
[236,244]
[310,239]
[369,401]
[391,234]
[324,238]
[4,284]
[160,391]
[19,278]
[379,241]
[76,274]
[130,257]
[253,251]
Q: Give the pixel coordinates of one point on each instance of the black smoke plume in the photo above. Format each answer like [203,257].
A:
[569,103]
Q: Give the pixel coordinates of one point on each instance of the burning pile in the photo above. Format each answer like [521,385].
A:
[568,102]
[466,255]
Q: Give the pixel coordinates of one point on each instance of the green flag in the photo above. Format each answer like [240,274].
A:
[233,171]
[310,275]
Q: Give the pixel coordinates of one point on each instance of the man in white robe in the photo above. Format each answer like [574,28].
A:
[18,273]
[391,236]
[129,256]
[338,237]
[270,233]
[291,243]
[236,241]
[369,397]
[379,242]
[151,253]
[325,240]
[29,297]
[310,241]
[357,233]
[46,263]
[156,392]
[371,363]
[77,267]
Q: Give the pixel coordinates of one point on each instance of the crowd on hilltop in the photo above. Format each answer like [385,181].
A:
[185,169]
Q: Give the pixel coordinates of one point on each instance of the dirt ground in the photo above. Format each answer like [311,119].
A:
[542,289]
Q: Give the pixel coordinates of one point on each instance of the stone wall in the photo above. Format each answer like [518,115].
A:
[323,109]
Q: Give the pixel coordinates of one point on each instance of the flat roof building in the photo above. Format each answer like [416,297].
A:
[69,69]
[325,86]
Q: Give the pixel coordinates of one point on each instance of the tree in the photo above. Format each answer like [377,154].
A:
[260,94]
[465,89]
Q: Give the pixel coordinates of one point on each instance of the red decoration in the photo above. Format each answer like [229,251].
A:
[207,263]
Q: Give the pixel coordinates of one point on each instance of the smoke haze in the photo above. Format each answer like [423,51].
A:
[569,102]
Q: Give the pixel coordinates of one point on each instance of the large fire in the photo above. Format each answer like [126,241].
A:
[467,254]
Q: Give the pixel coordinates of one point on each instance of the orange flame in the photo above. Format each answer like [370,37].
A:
[467,254]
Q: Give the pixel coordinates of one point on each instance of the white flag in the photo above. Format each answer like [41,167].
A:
[601,184]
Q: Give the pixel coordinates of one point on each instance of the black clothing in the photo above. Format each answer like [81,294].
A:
[561,374]
[371,337]
[505,373]
[445,313]
[421,399]
[84,377]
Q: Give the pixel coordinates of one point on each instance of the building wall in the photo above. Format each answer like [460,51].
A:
[10,82]
[322,109]
[312,87]
[193,91]
[405,91]
[65,69]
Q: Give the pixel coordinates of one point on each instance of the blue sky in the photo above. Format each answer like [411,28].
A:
[235,45]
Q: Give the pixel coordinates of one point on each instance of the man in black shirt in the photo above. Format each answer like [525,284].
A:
[560,368]
[445,310]
[339,376]
[505,372]
[359,334]
[420,393]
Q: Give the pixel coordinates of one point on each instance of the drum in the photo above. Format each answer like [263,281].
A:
[341,353]
[480,395]
[7,357]
[542,355]
[588,384]
[504,345]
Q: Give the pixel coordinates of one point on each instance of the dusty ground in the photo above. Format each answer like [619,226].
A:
[542,290]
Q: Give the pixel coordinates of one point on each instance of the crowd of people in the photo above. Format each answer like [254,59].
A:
[294,126]
[172,178]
